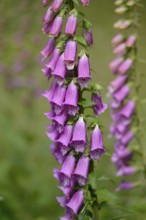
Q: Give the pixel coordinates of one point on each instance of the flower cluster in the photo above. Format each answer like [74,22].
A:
[122,104]
[70,75]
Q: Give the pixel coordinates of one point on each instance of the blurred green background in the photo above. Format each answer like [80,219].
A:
[27,186]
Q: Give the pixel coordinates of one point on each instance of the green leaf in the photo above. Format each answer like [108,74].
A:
[93,180]
[108,194]
[81,13]
[86,24]
[105,178]
[94,87]
[81,41]
[121,216]
[85,103]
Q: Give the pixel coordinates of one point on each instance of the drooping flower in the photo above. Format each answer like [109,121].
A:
[70,54]
[56,5]
[117,83]
[117,39]
[71,99]
[45,2]
[99,106]
[127,137]
[97,147]
[58,99]
[125,185]
[114,65]
[60,121]
[81,171]
[120,49]
[53,60]
[71,24]
[49,93]
[65,173]
[64,139]
[125,66]
[56,26]
[88,37]
[131,41]
[47,72]
[128,109]
[85,2]
[57,153]
[126,171]
[48,49]
[79,139]
[52,133]
[48,16]
[121,94]
[60,70]
[76,202]
[83,71]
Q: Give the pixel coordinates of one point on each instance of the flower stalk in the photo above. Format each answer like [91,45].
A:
[125,92]
[77,141]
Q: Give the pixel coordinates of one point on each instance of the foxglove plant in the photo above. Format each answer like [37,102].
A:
[124,92]
[68,65]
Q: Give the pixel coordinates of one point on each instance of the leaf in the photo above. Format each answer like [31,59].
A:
[81,41]
[81,13]
[121,216]
[107,193]
[93,180]
[94,87]
[85,103]
[105,178]
[87,24]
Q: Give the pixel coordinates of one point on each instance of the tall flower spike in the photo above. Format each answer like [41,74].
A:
[123,106]
[68,100]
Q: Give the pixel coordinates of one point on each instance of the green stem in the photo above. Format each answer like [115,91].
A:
[95,203]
